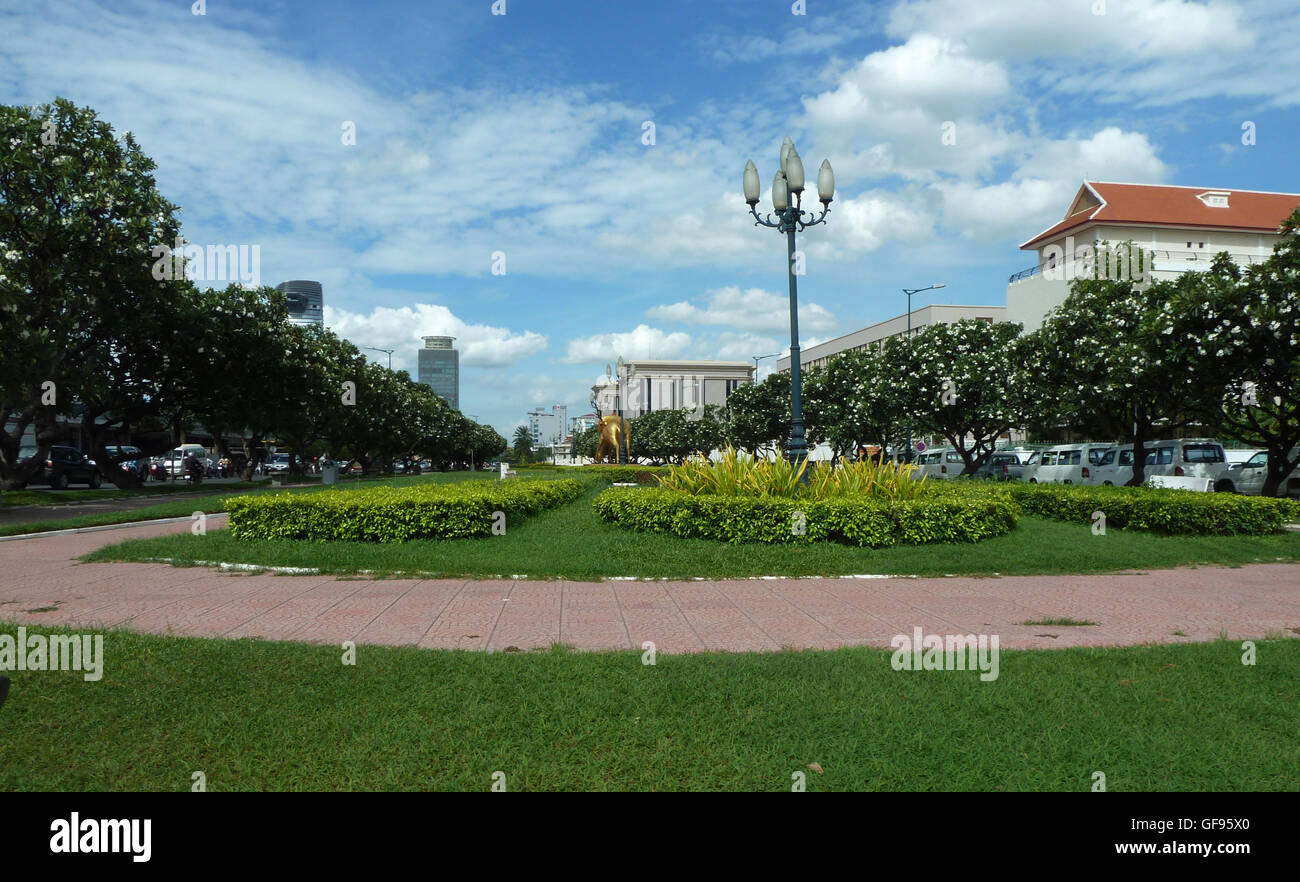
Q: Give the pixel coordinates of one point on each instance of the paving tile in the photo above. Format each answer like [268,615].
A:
[678,616]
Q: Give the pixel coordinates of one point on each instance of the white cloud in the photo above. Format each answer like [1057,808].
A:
[401,330]
[752,309]
[642,341]
[1150,52]
[1045,182]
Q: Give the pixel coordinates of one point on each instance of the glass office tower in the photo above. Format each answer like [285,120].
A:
[439,368]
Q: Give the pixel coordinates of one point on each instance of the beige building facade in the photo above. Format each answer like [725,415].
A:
[1177,229]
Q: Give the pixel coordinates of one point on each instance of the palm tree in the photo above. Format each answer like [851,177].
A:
[523,443]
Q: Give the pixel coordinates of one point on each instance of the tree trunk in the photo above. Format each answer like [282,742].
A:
[1278,468]
[1140,432]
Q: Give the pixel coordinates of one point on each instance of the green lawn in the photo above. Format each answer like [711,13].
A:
[64,497]
[256,715]
[193,501]
[573,543]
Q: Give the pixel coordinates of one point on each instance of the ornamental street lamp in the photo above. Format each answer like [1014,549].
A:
[791,218]
[909,292]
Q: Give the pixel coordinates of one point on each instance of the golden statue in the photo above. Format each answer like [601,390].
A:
[613,432]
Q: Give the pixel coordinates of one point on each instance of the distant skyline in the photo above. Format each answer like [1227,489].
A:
[444,171]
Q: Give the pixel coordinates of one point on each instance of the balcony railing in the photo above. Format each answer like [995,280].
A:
[1165,261]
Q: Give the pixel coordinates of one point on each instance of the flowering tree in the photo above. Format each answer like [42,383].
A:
[1109,357]
[1240,334]
[857,399]
[758,415]
[673,435]
[84,319]
[962,381]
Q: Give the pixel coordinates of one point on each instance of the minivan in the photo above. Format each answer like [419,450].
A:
[1066,464]
[1002,465]
[1179,457]
[943,462]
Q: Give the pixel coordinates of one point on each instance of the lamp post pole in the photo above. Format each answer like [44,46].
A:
[909,292]
[389,351]
[474,417]
[758,358]
[620,395]
[790,218]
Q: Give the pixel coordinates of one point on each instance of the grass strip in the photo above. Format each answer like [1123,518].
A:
[254,715]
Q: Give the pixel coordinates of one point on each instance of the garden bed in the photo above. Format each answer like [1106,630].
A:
[1151,509]
[396,514]
[861,522]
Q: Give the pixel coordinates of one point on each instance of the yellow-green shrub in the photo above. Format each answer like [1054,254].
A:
[772,519]
[394,514]
[737,474]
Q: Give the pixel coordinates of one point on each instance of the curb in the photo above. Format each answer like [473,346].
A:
[70,531]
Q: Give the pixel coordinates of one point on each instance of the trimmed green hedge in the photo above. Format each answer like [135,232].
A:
[1156,509]
[394,514]
[773,519]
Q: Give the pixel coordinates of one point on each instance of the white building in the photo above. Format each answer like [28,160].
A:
[548,428]
[1182,228]
[580,424]
[923,316]
[638,387]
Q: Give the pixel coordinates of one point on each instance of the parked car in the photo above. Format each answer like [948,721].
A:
[1248,477]
[128,458]
[277,463]
[64,466]
[1066,464]
[1002,465]
[1179,457]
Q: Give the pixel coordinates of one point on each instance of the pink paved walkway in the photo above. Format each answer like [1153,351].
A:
[1247,602]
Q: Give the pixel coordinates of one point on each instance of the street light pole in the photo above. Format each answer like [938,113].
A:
[620,395]
[758,358]
[389,351]
[474,417]
[791,218]
[909,292]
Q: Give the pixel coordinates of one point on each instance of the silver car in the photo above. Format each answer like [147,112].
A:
[1248,477]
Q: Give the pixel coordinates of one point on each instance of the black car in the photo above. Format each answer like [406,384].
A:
[64,466]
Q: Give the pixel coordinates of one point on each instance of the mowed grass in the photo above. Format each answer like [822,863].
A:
[193,501]
[573,543]
[257,715]
[108,491]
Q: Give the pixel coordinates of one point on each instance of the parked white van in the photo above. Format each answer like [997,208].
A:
[938,463]
[1179,457]
[1065,464]
[928,463]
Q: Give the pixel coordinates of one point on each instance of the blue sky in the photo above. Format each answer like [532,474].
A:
[523,134]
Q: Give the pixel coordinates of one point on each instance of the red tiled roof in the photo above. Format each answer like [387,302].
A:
[1174,206]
